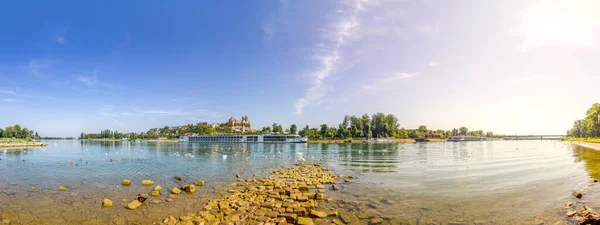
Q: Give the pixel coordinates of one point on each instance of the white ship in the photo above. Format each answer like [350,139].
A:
[235,138]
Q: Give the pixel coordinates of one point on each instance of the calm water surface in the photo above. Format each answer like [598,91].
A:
[495,182]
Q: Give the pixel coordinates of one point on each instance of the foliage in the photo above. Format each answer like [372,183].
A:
[293,129]
[17,132]
[589,127]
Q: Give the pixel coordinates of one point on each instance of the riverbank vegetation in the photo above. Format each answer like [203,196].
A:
[379,125]
[588,128]
[16,132]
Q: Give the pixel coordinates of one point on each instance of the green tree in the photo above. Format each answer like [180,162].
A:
[423,128]
[463,130]
[366,121]
[293,129]
[592,120]
[277,128]
[266,129]
[324,129]
[1,133]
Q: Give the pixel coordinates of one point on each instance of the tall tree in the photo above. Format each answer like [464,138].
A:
[463,130]
[592,120]
[324,129]
[293,129]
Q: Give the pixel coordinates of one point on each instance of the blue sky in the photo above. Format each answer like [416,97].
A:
[513,67]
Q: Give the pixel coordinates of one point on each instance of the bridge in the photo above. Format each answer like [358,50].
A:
[532,137]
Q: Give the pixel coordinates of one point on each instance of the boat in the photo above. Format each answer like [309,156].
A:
[421,140]
[238,138]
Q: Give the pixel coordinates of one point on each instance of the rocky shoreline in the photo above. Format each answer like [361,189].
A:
[290,195]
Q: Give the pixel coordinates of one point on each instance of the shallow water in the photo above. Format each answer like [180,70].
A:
[495,182]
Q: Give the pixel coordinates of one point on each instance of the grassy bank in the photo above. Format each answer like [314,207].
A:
[588,140]
[19,142]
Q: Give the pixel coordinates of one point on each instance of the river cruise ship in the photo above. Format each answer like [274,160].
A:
[235,138]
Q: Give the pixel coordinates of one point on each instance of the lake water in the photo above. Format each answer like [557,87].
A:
[494,182]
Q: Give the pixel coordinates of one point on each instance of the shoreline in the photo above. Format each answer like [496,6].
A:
[595,146]
[19,145]
[403,140]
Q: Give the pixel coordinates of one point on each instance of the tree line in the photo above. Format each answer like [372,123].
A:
[588,127]
[17,132]
[378,125]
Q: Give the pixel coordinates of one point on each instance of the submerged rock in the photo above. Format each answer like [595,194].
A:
[577,194]
[317,214]
[147,182]
[335,187]
[107,203]
[154,193]
[178,178]
[158,188]
[190,188]
[134,205]
[126,182]
[199,183]
[176,191]
[62,188]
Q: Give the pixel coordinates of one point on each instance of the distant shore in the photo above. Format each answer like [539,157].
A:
[114,139]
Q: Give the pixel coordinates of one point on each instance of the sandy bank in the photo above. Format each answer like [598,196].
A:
[595,146]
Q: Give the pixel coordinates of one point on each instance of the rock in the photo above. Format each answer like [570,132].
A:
[154,193]
[33,189]
[126,182]
[347,180]
[199,183]
[577,194]
[319,196]
[190,189]
[238,176]
[303,189]
[348,218]
[376,220]
[62,188]
[158,188]
[586,216]
[134,205]
[335,187]
[317,214]
[305,221]
[272,214]
[147,182]
[107,203]
[338,222]
[178,178]
[176,191]
[302,198]
[571,213]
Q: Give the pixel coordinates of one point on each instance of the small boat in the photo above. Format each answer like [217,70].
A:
[421,140]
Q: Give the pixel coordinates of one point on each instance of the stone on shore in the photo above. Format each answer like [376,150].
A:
[134,205]
[126,182]
[577,194]
[158,188]
[147,182]
[335,187]
[107,203]
[176,191]
[190,188]
[377,220]
[154,193]
[318,214]
[62,188]
[199,183]
[305,221]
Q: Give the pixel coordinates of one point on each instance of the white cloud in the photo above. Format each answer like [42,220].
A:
[87,80]
[162,112]
[61,38]
[35,67]
[9,100]
[427,29]
[559,24]
[330,59]
[378,83]
[432,63]
[8,92]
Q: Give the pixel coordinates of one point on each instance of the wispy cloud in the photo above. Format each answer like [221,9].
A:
[36,67]
[61,37]
[162,112]
[388,80]
[8,92]
[330,59]
[92,81]
[427,29]
[9,100]
[432,63]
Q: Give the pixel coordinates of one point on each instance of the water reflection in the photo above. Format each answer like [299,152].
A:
[590,158]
